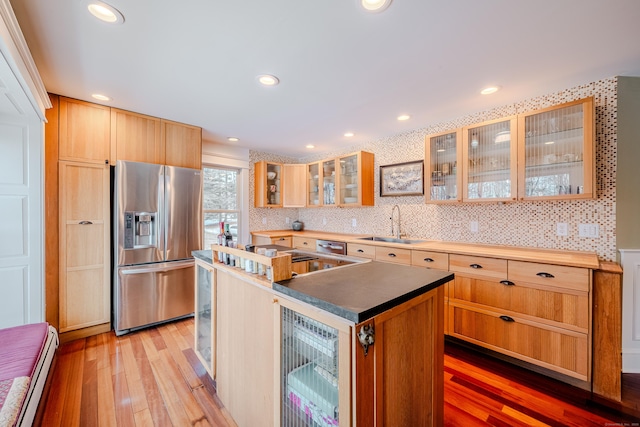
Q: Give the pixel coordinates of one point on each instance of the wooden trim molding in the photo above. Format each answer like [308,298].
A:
[23,64]
[607,331]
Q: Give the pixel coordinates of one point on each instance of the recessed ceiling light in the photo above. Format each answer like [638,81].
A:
[268,80]
[100,97]
[349,134]
[375,5]
[310,146]
[489,90]
[233,139]
[104,12]
[404,117]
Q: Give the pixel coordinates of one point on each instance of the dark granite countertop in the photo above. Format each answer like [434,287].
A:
[360,291]
[357,292]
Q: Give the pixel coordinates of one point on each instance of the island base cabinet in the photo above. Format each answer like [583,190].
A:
[553,348]
[400,379]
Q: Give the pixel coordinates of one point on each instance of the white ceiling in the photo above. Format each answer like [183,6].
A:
[341,69]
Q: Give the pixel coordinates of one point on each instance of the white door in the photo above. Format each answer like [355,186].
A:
[21,201]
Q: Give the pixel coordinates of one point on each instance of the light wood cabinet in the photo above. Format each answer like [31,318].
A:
[490,160]
[305,243]
[443,167]
[344,181]
[182,144]
[557,152]
[393,254]
[267,190]
[539,313]
[294,185]
[355,179]
[245,349]
[430,259]
[84,131]
[84,245]
[278,240]
[136,137]
[363,251]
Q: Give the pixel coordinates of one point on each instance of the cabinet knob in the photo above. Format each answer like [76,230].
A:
[507,318]
[275,301]
[475,266]
[545,275]
[106,161]
[507,283]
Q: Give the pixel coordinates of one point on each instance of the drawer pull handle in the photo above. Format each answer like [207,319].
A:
[507,318]
[392,255]
[475,266]
[305,243]
[546,275]
[85,223]
[507,283]
[360,251]
[428,260]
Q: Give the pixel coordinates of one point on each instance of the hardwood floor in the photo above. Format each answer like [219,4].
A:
[153,378]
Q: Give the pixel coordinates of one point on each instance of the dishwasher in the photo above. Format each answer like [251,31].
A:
[331,247]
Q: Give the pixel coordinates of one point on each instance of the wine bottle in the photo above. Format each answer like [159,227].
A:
[221,241]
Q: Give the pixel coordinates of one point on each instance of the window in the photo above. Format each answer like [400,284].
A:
[220,202]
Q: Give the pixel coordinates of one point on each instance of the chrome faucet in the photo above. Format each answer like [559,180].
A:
[398,232]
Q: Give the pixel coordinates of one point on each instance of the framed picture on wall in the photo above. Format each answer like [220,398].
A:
[402,179]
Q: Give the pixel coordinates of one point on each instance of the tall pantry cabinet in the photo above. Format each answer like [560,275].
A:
[82,141]
[84,225]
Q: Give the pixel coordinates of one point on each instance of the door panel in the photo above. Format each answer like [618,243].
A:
[183,212]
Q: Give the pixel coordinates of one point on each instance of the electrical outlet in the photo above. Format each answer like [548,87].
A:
[354,223]
[589,230]
[562,229]
[324,221]
[264,219]
[473,226]
[286,220]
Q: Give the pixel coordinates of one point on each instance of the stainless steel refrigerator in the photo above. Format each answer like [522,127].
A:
[157,222]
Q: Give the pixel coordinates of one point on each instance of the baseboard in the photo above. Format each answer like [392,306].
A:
[631,361]
[65,337]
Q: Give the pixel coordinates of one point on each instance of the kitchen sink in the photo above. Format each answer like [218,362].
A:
[392,240]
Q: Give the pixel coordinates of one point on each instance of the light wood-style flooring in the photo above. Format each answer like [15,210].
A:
[153,378]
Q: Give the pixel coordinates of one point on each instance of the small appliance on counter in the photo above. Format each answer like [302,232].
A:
[297,225]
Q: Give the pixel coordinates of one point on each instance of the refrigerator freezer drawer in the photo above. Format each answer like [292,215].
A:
[152,293]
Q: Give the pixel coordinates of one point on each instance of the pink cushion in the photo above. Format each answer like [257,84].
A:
[20,348]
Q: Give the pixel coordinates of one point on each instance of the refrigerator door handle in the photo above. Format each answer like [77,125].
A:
[177,266]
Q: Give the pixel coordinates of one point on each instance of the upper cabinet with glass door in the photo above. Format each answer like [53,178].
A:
[490,165]
[557,152]
[328,182]
[443,154]
[356,179]
[267,182]
[314,188]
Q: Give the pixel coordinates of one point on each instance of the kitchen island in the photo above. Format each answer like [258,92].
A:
[358,344]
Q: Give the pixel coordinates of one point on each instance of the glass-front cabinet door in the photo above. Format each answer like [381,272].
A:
[349,182]
[205,317]
[267,181]
[329,182]
[443,158]
[490,161]
[557,152]
[314,189]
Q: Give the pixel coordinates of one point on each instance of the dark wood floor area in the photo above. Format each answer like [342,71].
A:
[153,378]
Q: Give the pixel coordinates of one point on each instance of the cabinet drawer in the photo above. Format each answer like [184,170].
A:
[304,243]
[364,251]
[430,259]
[552,348]
[556,276]
[568,310]
[397,255]
[282,241]
[478,266]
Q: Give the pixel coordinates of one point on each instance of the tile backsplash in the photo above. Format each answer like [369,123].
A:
[530,224]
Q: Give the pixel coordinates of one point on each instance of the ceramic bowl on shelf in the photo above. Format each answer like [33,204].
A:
[271,175]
